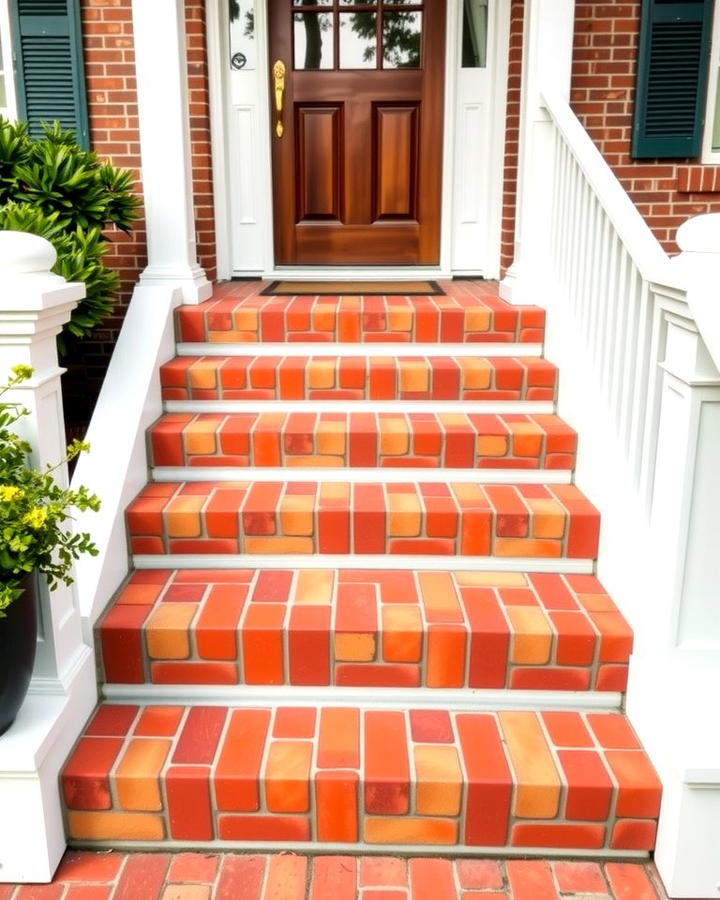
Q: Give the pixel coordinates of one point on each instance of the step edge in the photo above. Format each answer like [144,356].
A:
[358,475]
[470,407]
[490,349]
[457,699]
[560,566]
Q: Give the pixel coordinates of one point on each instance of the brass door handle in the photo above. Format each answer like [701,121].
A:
[279,82]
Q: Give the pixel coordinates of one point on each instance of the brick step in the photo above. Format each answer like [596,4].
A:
[505,780]
[366,628]
[358,378]
[403,439]
[522,520]
[237,313]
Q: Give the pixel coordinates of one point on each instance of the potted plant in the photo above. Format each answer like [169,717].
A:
[35,540]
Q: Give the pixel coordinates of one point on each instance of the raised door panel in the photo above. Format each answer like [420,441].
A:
[395,163]
[319,155]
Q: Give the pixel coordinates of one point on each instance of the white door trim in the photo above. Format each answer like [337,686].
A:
[260,152]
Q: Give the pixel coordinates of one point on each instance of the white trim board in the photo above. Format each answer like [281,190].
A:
[470,407]
[240,109]
[356,475]
[562,566]
[460,700]
[473,349]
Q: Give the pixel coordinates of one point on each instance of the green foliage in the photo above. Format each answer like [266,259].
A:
[54,188]
[34,535]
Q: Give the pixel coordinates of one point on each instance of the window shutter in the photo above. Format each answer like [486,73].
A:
[49,64]
[671,78]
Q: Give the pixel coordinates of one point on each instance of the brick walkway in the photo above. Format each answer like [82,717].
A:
[286,876]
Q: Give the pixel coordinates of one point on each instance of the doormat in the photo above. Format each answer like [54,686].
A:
[366,288]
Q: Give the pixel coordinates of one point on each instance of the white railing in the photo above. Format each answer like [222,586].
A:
[636,335]
[605,260]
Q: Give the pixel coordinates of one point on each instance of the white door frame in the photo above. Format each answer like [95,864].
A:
[259,181]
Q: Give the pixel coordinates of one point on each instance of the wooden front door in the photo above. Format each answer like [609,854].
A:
[357,145]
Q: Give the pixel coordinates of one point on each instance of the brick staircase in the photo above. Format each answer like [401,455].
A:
[370,623]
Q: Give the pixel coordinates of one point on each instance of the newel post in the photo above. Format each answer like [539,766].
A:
[687,479]
[34,306]
[686,537]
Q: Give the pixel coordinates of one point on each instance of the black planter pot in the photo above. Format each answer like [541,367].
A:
[18,641]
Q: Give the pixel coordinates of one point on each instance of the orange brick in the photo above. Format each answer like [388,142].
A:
[287,776]
[409,830]
[438,780]
[137,776]
[537,794]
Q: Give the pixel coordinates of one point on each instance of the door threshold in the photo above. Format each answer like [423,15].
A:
[357,273]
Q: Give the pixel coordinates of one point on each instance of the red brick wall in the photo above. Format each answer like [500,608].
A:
[512,135]
[666,192]
[112,102]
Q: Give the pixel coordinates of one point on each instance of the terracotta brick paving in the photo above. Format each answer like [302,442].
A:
[508,629]
[333,377]
[469,312]
[347,775]
[286,876]
[339,517]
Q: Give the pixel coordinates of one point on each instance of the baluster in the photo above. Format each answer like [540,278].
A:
[600,297]
[619,335]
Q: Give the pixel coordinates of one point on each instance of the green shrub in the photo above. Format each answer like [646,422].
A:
[54,188]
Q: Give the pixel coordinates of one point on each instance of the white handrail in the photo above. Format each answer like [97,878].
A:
[642,245]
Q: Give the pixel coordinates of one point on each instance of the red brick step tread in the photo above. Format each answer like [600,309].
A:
[376,377]
[237,313]
[501,779]
[514,520]
[329,439]
[365,628]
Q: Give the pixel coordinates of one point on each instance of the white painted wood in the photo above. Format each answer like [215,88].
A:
[32,754]
[547,55]
[162,92]
[367,698]
[354,475]
[242,166]
[636,339]
[446,406]
[218,72]
[129,402]
[371,561]
[311,348]
[34,305]
[477,142]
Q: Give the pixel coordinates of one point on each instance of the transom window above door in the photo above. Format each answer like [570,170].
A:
[357,34]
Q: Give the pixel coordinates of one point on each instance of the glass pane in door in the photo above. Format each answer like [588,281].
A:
[358,40]
[313,38]
[402,33]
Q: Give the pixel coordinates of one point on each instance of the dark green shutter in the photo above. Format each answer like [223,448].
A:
[47,42]
[671,78]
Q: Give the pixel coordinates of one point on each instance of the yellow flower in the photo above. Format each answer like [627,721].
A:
[36,517]
[22,372]
[9,492]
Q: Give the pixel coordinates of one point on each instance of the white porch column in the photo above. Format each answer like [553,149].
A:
[547,61]
[34,305]
[162,75]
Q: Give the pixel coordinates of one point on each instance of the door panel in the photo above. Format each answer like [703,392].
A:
[396,151]
[318,156]
[357,169]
